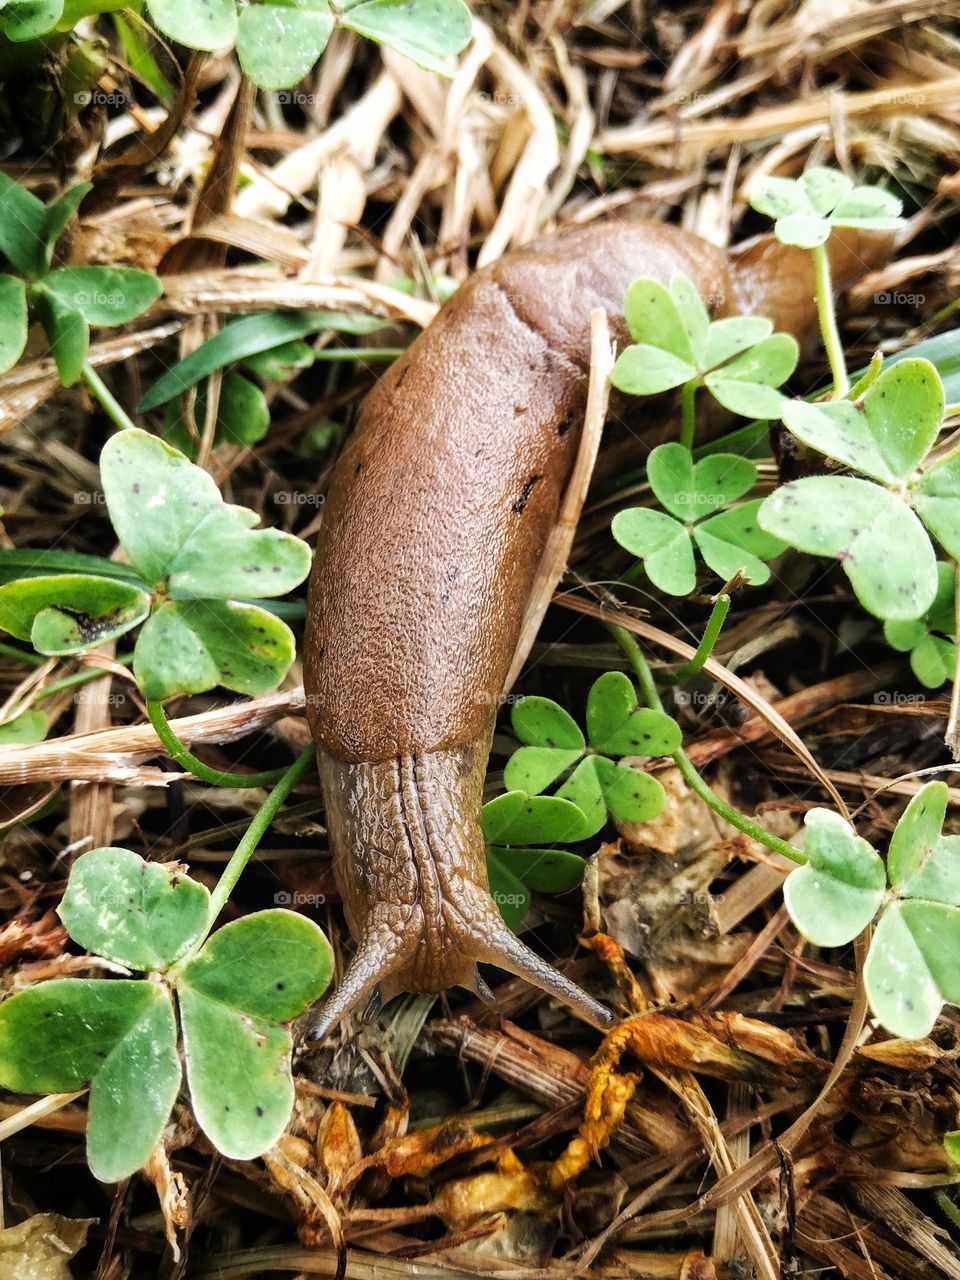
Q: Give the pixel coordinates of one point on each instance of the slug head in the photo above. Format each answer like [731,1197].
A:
[410,865]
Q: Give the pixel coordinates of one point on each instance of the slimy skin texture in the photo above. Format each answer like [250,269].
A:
[433,528]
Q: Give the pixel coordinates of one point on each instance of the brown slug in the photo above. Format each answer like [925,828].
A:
[433,527]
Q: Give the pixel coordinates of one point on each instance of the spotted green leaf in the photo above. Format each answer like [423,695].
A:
[889,435]
[117,1036]
[270,964]
[542,722]
[837,892]
[279,41]
[175,526]
[881,544]
[431,32]
[209,25]
[30,19]
[518,819]
[618,727]
[70,612]
[533,769]
[250,976]
[929,640]
[911,968]
[190,646]
[140,914]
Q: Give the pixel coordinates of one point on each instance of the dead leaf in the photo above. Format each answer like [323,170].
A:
[41,1247]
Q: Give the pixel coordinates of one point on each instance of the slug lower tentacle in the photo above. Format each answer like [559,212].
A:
[434,524]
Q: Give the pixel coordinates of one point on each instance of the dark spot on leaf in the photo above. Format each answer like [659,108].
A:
[259,1111]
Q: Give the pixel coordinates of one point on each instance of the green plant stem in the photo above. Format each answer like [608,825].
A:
[108,402]
[20,655]
[216,777]
[952,734]
[256,830]
[694,781]
[711,634]
[828,323]
[688,417]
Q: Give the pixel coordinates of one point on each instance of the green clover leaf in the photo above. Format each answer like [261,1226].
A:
[882,546]
[837,892]
[69,612]
[889,434]
[921,862]
[911,968]
[695,495]
[119,1037]
[140,914]
[251,976]
[514,820]
[278,41]
[594,785]
[807,208]
[936,497]
[930,639]
[740,359]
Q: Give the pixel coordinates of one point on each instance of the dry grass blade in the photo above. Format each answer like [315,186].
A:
[557,550]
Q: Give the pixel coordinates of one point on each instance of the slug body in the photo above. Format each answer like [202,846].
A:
[434,524]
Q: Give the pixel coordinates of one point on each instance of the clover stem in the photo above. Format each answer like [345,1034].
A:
[688,420]
[255,832]
[711,634]
[694,781]
[952,736]
[828,323]
[216,777]
[108,402]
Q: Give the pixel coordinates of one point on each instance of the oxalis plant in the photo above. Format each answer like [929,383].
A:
[592,777]
[277,42]
[911,967]
[66,300]
[883,518]
[196,564]
[234,990]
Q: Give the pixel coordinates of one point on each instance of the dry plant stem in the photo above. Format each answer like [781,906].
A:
[692,778]
[828,324]
[557,549]
[216,777]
